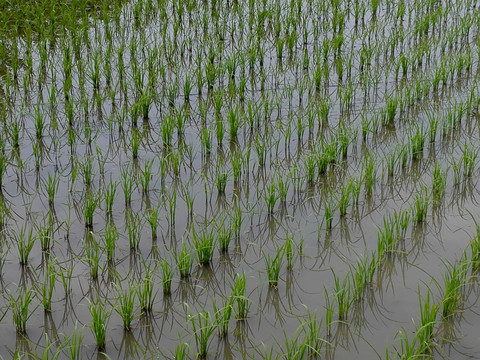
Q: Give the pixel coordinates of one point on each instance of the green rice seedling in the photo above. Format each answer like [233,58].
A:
[87,171]
[237,221]
[392,105]
[369,173]
[74,344]
[420,205]
[25,244]
[295,348]
[343,296]
[181,352]
[135,142]
[234,122]
[204,243]
[172,205]
[222,178]
[328,312]
[237,161]
[224,236]
[183,258]
[223,315]
[100,317]
[261,149]
[454,280]
[433,128]
[19,307]
[45,234]
[439,183]
[89,207]
[134,229]
[417,142]
[239,298]
[289,249]
[203,326]
[145,293]
[408,349]
[311,167]
[312,327]
[39,124]
[125,306]
[205,139]
[387,236]
[469,157]
[271,197]
[360,279]
[127,185]
[146,176]
[51,187]
[152,219]
[457,171]
[273,264]
[344,200]
[92,250]
[475,249]
[109,192]
[402,220]
[282,187]
[167,277]
[48,286]
[109,239]
[428,316]
[328,214]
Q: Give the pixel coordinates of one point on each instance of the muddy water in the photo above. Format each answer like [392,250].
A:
[284,95]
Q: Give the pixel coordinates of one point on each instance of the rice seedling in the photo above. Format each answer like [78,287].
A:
[204,243]
[146,176]
[144,291]
[92,250]
[48,286]
[45,234]
[100,317]
[224,236]
[181,351]
[109,239]
[51,187]
[428,315]
[239,298]
[183,258]
[273,265]
[89,207]
[439,183]
[25,244]
[134,226]
[125,305]
[203,326]
[19,306]
[74,344]
[328,312]
[271,198]
[454,281]
[469,156]
[289,249]
[343,296]
[222,178]
[127,185]
[167,277]
[420,205]
[344,200]
[223,315]
[328,213]
[152,218]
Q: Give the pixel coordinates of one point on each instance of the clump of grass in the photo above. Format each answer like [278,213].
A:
[469,157]
[289,248]
[75,344]
[203,326]
[90,205]
[24,245]
[428,315]
[343,296]
[454,280]
[224,237]
[100,316]
[271,198]
[222,178]
[125,305]
[110,238]
[273,264]
[145,293]
[152,219]
[184,261]
[134,229]
[439,183]
[110,192]
[420,205]
[48,286]
[19,307]
[167,277]
[239,298]
[475,249]
[223,315]
[204,243]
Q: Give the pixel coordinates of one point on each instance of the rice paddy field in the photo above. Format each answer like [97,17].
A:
[225,179]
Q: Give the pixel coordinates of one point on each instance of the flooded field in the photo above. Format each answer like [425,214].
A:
[224,179]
